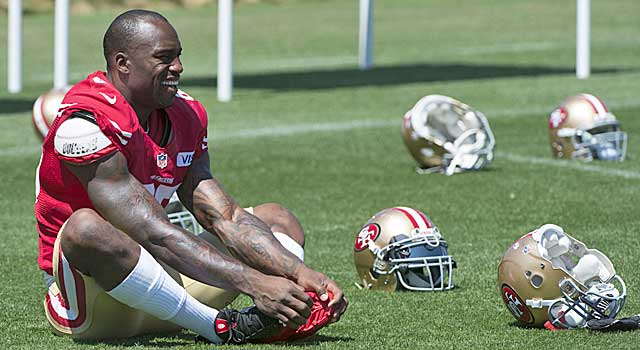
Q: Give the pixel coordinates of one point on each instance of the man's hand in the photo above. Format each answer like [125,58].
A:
[282,299]
[319,283]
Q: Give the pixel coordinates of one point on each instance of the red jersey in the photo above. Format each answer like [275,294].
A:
[159,169]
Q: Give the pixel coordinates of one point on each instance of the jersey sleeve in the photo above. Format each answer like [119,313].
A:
[203,119]
[112,115]
[79,140]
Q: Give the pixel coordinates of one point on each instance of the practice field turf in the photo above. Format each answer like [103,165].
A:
[307,129]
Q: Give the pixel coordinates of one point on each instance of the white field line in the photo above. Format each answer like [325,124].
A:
[574,165]
[367,124]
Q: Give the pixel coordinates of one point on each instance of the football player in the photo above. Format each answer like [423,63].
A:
[124,141]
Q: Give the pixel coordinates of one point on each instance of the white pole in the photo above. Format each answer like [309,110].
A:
[366,26]
[61,58]
[225,44]
[583,69]
[14,59]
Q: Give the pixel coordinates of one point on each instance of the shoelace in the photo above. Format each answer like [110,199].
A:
[243,324]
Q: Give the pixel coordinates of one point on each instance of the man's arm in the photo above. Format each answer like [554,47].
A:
[126,204]
[246,236]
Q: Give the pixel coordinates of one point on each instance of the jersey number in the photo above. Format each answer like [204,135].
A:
[162,193]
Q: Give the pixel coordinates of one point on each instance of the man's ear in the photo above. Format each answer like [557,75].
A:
[121,61]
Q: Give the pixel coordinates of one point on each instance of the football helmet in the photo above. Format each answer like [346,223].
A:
[583,128]
[401,249]
[45,110]
[548,276]
[446,135]
[179,215]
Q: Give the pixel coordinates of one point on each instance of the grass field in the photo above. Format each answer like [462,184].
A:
[307,129]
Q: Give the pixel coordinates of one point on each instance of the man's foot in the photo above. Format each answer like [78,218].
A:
[320,316]
[250,325]
[246,325]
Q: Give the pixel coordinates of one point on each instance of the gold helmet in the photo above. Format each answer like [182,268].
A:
[446,135]
[583,128]
[179,215]
[548,278]
[401,249]
[45,110]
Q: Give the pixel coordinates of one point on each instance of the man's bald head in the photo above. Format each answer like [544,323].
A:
[125,30]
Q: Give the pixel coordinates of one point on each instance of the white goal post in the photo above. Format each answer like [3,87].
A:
[225,43]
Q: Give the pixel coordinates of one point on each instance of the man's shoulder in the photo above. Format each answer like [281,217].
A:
[185,101]
[98,96]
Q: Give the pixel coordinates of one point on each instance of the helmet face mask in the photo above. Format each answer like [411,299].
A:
[583,128]
[548,275]
[600,301]
[448,136]
[400,249]
[179,215]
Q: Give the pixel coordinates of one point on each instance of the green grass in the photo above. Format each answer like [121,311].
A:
[295,65]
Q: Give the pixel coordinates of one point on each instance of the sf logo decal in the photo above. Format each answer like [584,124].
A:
[515,305]
[368,234]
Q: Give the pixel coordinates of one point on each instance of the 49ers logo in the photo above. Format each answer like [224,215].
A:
[368,234]
[557,117]
[516,305]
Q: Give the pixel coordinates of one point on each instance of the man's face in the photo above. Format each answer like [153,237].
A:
[155,66]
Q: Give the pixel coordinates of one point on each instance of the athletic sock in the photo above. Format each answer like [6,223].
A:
[150,288]
[290,244]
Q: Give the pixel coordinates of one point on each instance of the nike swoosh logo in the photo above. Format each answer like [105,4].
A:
[111,100]
[98,80]
[204,146]
[63,106]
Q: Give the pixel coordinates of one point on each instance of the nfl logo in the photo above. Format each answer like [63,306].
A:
[161,160]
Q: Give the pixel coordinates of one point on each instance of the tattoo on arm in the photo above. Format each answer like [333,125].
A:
[128,206]
[246,236]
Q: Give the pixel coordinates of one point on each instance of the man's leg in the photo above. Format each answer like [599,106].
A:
[128,273]
[284,225]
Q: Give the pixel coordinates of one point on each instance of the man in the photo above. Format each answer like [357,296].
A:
[123,142]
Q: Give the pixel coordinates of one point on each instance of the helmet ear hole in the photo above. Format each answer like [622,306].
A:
[536,281]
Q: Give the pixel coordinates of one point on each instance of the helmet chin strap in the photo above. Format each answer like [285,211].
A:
[463,152]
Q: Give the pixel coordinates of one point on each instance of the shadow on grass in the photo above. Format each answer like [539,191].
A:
[186,339]
[383,76]
[319,339]
[15,105]
[163,340]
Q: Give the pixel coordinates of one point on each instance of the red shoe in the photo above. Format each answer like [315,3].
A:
[320,315]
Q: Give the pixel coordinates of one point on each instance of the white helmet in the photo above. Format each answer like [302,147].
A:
[547,276]
[180,216]
[582,127]
[446,135]
[45,110]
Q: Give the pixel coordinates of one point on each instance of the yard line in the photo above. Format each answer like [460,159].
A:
[305,128]
[367,124]
[575,165]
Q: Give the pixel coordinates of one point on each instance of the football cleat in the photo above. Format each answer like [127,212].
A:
[239,327]
[250,325]
[320,316]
